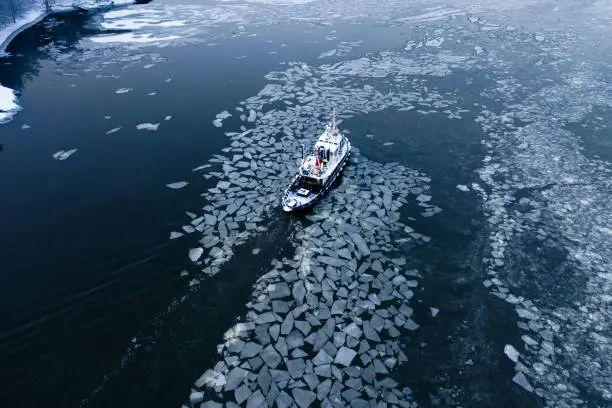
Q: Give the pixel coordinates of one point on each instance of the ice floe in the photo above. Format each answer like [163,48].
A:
[511,352]
[147,126]
[195,254]
[218,122]
[434,42]
[113,130]
[131,38]
[63,155]
[174,235]
[521,380]
[138,23]
[177,185]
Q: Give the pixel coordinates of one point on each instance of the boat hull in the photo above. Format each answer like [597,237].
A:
[290,207]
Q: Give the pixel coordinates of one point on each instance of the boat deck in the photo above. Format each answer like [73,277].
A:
[316,171]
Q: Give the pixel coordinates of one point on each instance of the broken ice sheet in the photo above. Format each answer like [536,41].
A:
[302,309]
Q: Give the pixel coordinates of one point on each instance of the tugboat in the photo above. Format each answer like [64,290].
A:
[319,170]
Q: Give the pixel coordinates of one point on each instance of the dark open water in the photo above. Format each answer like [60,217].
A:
[94,309]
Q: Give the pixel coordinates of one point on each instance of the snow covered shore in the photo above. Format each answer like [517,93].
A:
[33,16]
[8,99]
[8,33]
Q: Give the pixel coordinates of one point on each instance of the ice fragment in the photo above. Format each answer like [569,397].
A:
[178,185]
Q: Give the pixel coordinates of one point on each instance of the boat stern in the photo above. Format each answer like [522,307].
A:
[294,202]
[289,205]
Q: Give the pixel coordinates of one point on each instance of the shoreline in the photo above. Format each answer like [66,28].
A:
[9,102]
[29,20]
[34,17]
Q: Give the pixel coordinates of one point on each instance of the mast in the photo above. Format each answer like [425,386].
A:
[334,118]
[333,126]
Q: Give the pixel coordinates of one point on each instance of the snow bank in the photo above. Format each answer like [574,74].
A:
[8,104]
[8,33]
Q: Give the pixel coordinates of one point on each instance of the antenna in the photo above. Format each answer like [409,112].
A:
[333,121]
